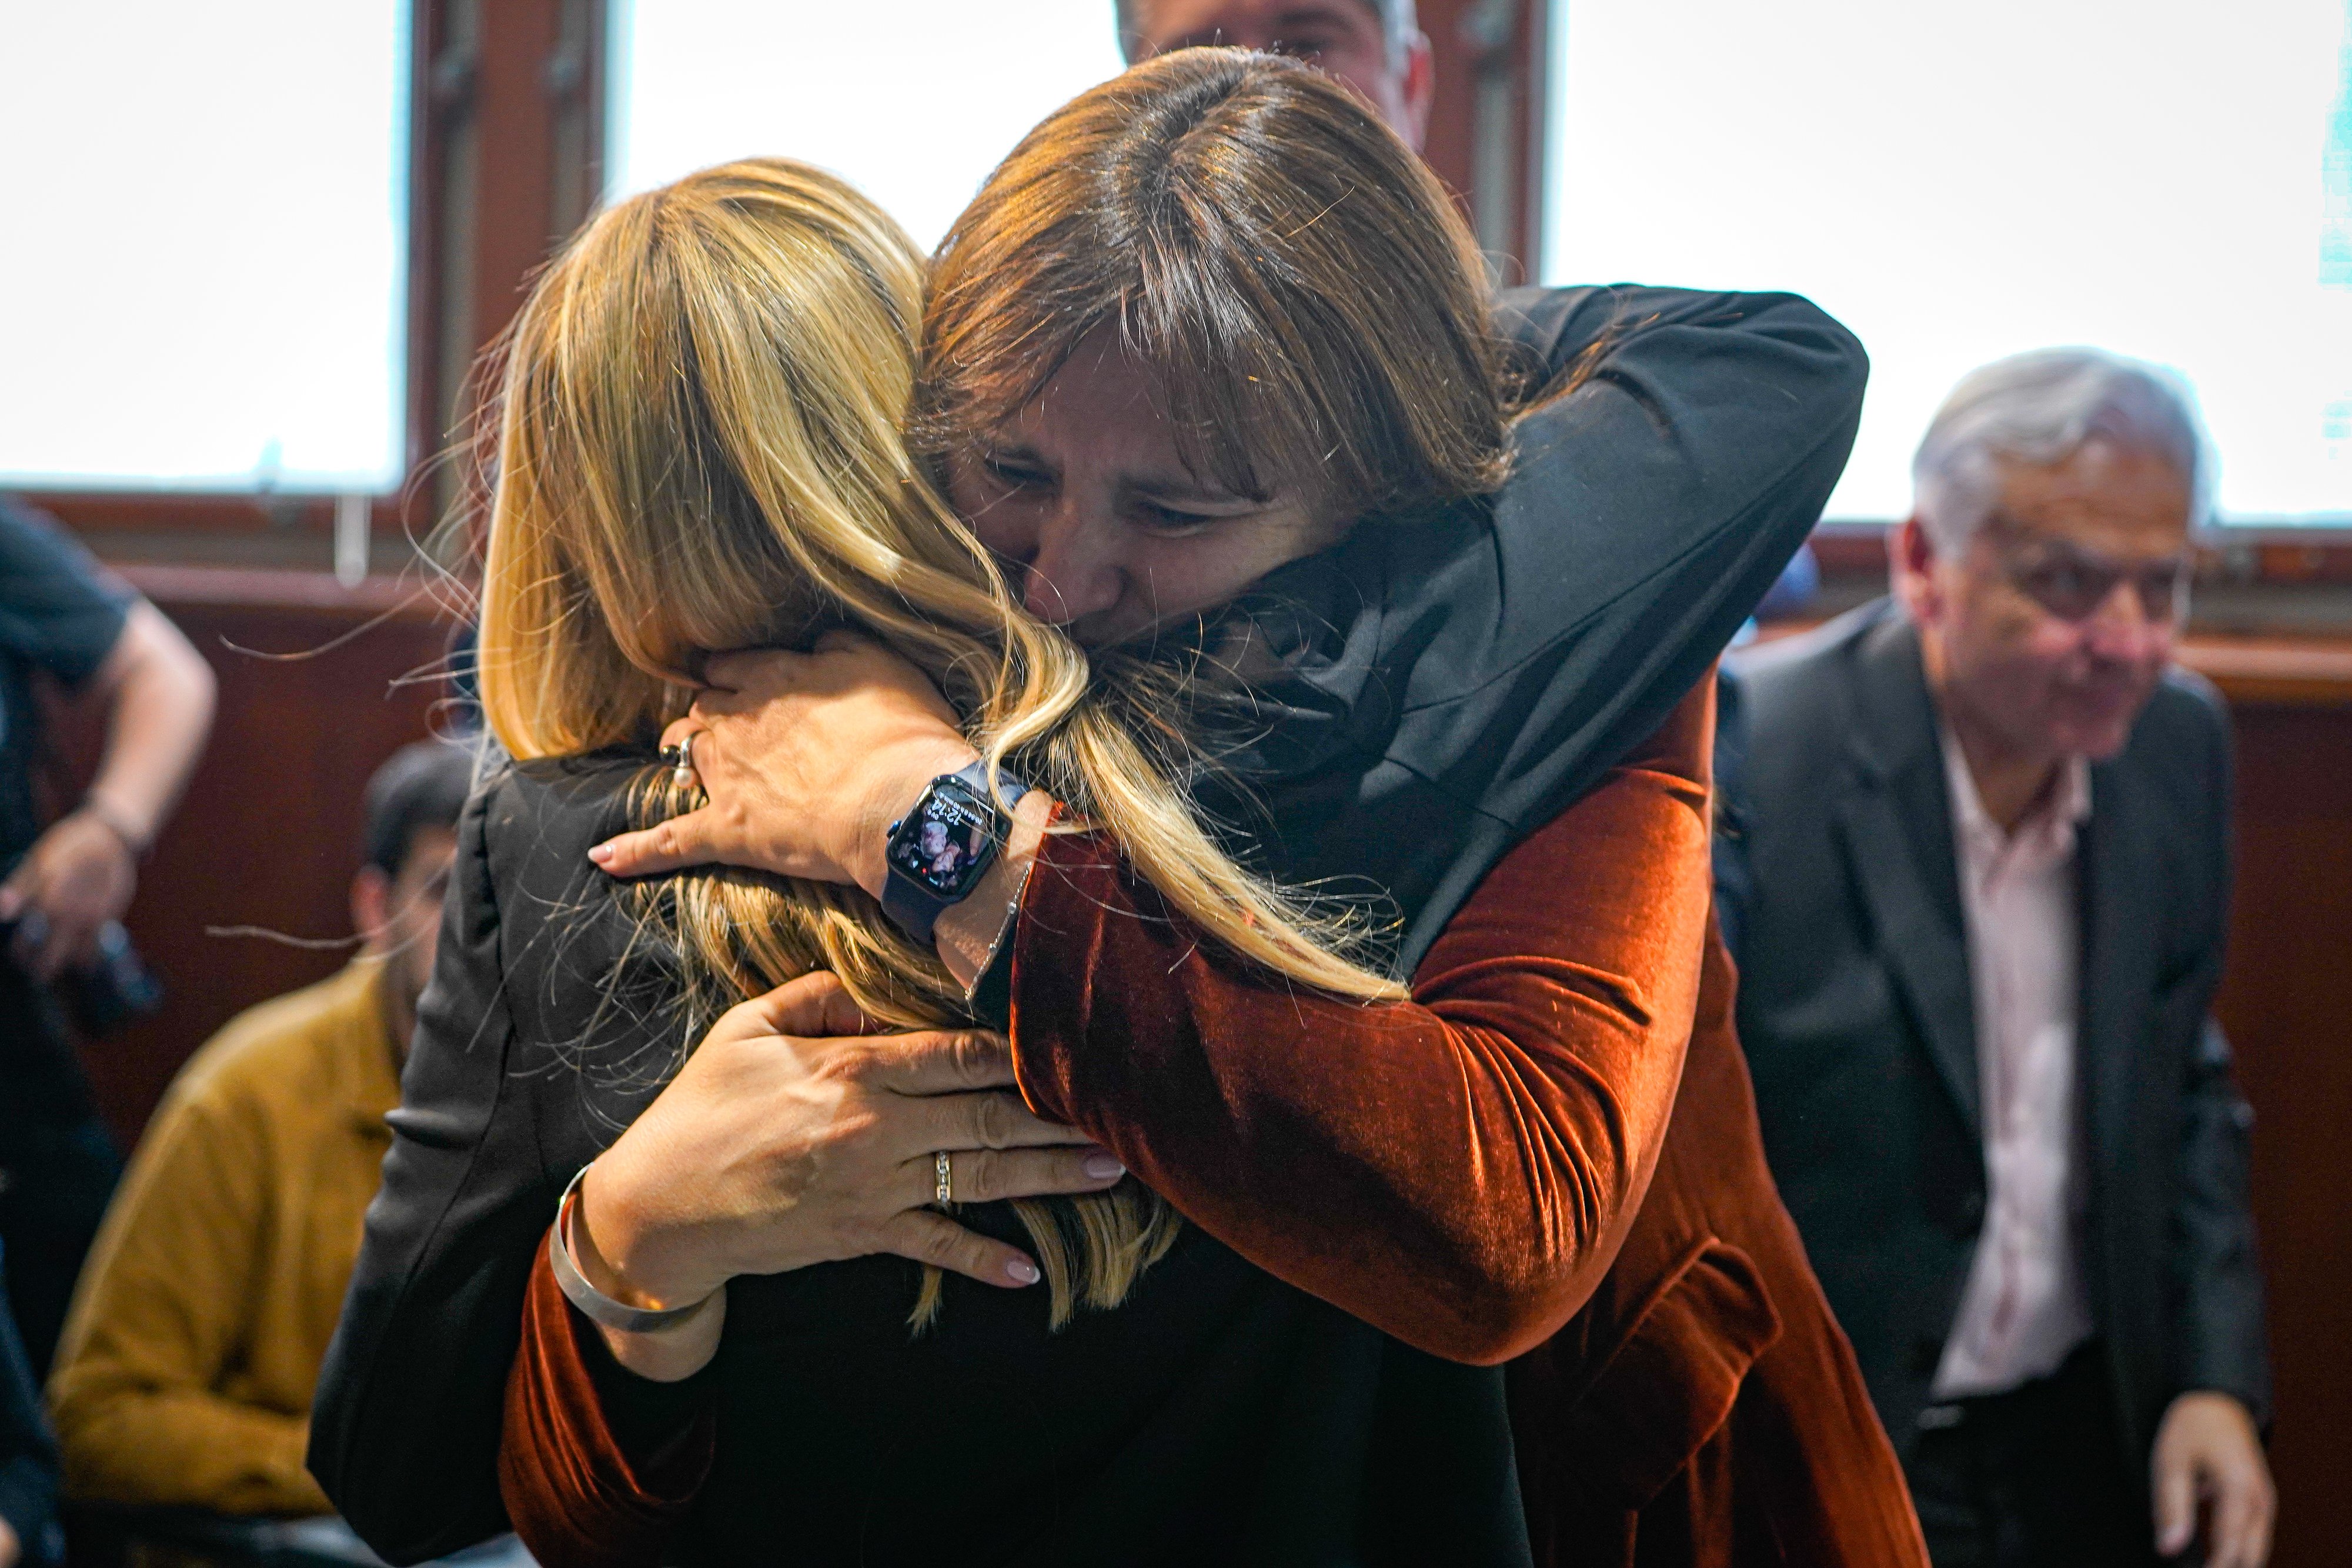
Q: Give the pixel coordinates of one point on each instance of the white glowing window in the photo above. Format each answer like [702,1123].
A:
[914,102]
[203,253]
[1957,183]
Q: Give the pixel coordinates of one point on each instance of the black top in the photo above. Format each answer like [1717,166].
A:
[1462,678]
[1219,1415]
[59,615]
[1857,1014]
[28,1454]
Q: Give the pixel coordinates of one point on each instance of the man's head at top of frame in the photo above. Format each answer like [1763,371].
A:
[1373,45]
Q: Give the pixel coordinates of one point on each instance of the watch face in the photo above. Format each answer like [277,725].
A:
[947,840]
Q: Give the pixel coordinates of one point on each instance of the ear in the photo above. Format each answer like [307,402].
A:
[371,901]
[1911,569]
[1420,88]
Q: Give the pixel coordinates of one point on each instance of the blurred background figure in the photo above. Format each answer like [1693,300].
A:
[1376,47]
[1988,839]
[187,1368]
[28,1458]
[69,884]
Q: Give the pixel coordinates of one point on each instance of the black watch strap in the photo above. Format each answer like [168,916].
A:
[916,908]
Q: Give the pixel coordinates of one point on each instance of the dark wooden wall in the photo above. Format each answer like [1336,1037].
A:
[269,832]
[2286,1002]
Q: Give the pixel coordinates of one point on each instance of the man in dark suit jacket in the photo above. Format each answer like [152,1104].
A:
[1987,827]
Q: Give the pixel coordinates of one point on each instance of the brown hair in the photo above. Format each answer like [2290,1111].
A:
[1306,292]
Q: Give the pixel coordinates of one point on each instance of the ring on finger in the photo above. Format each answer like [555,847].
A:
[680,758]
[943,1170]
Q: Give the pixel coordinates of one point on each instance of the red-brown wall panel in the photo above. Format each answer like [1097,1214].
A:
[2286,1002]
[269,832]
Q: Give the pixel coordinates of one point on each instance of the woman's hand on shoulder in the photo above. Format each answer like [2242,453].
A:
[795,1134]
[806,759]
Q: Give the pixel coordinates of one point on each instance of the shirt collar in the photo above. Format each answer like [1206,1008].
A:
[2047,828]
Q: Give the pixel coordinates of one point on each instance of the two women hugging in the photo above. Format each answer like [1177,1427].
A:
[1323,646]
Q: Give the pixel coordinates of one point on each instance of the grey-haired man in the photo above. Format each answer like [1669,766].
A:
[1988,839]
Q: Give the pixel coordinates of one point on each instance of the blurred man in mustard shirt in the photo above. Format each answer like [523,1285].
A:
[185,1373]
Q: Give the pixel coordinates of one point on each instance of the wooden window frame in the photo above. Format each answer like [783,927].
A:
[506,156]
[506,143]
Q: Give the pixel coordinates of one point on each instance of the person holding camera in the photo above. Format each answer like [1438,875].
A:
[66,885]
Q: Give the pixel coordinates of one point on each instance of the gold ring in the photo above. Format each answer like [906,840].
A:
[941,1168]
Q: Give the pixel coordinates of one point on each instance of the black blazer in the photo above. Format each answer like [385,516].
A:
[1856,1011]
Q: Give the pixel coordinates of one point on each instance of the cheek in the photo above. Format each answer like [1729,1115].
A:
[1002,525]
[420,931]
[1364,67]
[2046,644]
[2013,656]
[1189,574]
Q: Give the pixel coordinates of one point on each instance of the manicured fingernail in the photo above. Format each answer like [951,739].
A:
[601,855]
[1024,1271]
[1104,1168]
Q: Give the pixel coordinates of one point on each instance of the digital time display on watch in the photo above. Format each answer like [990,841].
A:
[947,841]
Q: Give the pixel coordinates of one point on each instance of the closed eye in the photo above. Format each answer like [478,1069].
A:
[1154,517]
[1016,474]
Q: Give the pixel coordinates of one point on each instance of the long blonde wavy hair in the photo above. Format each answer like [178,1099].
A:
[698,447]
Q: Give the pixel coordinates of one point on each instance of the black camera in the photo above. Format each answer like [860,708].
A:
[114,987]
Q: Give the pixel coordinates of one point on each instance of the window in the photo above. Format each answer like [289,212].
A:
[913,102]
[202,285]
[2170,181]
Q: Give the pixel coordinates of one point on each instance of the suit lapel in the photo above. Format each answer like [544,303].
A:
[2117,856]
[1895,815]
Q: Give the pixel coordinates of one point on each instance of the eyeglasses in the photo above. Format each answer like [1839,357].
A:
[2071,583]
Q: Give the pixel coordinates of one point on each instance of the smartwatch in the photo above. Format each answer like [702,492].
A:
[942,847]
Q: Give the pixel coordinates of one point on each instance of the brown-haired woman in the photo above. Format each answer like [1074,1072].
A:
[1459,1169]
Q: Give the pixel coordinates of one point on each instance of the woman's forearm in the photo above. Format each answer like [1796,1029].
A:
[1458,1171]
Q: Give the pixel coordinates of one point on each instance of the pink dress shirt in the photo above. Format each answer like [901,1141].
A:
[2025,1306]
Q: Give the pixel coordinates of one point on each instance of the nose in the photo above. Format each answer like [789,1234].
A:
[2122,630]
[1074,570]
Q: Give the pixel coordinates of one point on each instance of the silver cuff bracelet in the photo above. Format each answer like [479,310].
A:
[592,1303]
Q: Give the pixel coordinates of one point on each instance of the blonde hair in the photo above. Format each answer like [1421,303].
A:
[700,448]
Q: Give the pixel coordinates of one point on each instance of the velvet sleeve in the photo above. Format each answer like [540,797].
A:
[1458,1170]
[594,1469]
